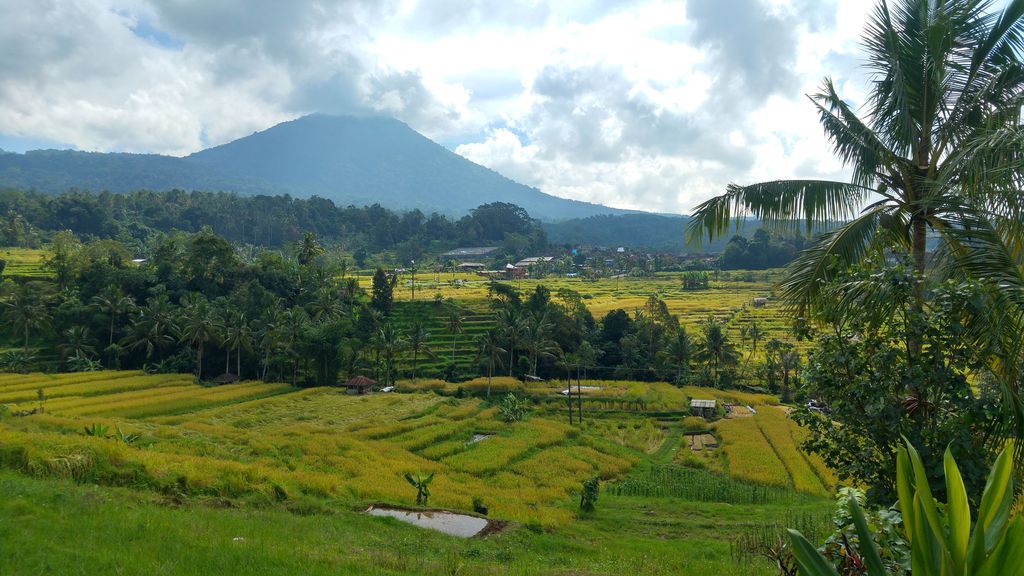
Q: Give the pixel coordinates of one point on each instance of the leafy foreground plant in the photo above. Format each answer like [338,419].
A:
[941,540]
[97,430]
[422,486]
[588,498]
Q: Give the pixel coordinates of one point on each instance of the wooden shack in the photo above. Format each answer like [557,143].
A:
[360,385]
[760,302]
[703,408]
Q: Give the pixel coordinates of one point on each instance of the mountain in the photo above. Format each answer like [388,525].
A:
[642,231]
[350,160]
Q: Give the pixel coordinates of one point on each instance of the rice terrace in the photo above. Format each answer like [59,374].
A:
[676,287]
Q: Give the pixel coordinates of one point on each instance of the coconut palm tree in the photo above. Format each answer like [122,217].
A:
[115,304]
[294,322]
[153,326]
[715,349]
[938,148]
[417,343]
[489,346]
[511,326]
[678,353]
[235,336]
[309,249]
[269,334]
[76,343]
[453,325]
[326,305]
[389,342]
[197,326]
[537,339]
[25,310]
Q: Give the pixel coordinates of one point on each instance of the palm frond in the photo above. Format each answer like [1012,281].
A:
[833,252]
[779,204]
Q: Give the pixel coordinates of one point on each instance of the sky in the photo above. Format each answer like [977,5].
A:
[642,105]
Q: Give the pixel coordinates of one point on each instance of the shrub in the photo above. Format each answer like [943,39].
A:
[588,498]
[479,507]
[512,409]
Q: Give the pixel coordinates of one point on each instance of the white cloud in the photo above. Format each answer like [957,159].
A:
[650,104]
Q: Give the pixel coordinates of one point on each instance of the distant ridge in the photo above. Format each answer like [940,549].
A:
[350,160]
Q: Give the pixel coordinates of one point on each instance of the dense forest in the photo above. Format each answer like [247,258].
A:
[136,218]
[199,305]
[763,250]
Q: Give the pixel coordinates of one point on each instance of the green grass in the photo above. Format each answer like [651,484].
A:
[54,527]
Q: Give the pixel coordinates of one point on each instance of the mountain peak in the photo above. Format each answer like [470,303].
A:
[348,159]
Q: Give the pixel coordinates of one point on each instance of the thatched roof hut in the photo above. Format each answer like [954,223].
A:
[360,385]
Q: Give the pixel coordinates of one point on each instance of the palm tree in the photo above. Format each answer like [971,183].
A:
[236,336]
[153,326]
[76,343]
[389,343]
[113,303]
[197,327]
[537,340]
[417,342]
[937,149]
[294,321]
[269,334]
[678,353]
[789,361]
[326,305]
[489,346]
[714,348]
[511,327]
[25,310]
[454,326]
[309,249]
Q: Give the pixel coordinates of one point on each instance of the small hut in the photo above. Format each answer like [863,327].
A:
[703,408]
[760,302]
[360,385]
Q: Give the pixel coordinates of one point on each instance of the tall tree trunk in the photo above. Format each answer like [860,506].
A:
[238,361]
[511,355]
[579,393]
[199,362]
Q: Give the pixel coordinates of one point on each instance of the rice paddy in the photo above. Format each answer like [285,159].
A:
[26,262]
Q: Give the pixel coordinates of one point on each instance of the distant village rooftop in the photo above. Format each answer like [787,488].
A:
[470,251]
[534,260]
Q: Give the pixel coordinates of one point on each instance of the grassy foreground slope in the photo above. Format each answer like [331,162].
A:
[257,478]
[62,528]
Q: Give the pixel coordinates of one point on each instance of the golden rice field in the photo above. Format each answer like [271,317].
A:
[764,448]
[257,440]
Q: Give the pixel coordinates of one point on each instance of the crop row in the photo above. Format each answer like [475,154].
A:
[673,481]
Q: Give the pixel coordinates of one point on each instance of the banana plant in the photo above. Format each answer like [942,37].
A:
[97,430]
[129,438]
[941,541]
[422,486]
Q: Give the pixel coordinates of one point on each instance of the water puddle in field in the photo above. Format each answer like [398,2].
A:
[478,437]
[451,523]
[576,389]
